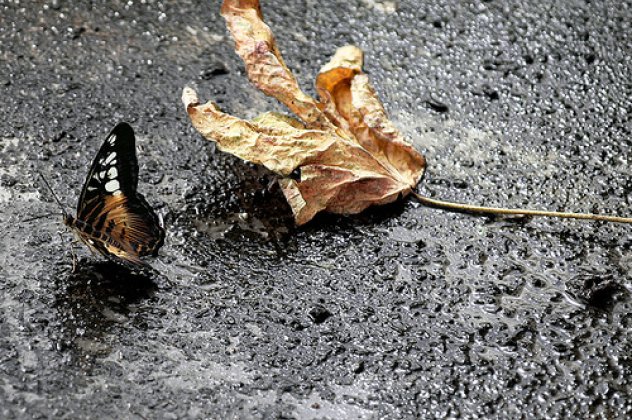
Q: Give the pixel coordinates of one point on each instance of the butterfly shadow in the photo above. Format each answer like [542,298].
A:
[98,298]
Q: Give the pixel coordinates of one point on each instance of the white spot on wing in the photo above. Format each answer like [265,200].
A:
[110,157]
[101,174]
[112,139]
[90,188]
[117,192]
[112,186]
[112,173]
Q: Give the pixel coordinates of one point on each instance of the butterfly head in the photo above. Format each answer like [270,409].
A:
[69,220]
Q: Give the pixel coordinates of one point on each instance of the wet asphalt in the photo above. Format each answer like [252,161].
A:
[400,312]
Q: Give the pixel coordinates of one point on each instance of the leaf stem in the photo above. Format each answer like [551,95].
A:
[522,212]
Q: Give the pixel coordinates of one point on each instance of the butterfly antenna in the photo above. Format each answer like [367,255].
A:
[63,209]
[30,219]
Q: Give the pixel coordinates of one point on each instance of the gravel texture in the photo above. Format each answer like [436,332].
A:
[400,312]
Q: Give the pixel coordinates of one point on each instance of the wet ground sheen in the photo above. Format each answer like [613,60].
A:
[401,312]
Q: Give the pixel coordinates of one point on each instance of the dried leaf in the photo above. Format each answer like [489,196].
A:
[349,154]
[266,69]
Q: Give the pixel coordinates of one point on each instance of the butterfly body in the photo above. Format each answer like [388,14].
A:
[113,219]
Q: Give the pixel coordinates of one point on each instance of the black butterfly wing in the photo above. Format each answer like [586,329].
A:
[122,222]
[119,152]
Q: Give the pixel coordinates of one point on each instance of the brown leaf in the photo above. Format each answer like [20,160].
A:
[266,69]
[349,154]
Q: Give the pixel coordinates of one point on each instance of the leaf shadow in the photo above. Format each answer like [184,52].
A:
[249,216]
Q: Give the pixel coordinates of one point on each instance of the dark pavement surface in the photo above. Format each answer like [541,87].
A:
[401,312]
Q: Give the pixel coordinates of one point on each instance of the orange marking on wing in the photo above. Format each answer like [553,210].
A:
[130,229]
[123,254]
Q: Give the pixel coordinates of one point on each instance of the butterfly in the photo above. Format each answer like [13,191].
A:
[113,218]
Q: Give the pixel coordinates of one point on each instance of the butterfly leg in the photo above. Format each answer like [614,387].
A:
[74,257]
